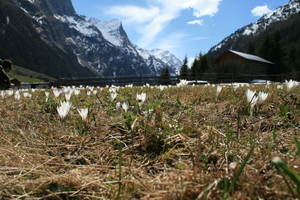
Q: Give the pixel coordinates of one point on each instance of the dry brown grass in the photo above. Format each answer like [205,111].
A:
[186,148]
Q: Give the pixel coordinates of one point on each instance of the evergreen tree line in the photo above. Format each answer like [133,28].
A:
[201,64]
[274,47]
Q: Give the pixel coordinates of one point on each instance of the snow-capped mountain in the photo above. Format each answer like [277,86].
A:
[280,14]
[166,57]
[156,59]
[103,48]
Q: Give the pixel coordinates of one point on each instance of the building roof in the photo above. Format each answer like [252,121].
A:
[251,57]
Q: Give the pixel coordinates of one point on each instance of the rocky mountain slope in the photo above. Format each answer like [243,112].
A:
[250,32]
[49,37]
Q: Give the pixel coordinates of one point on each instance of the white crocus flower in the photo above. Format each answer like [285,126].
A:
[2,93]
[161,87]
[141,98]
[262,96]
[47,95]
[252,99]
[10,92]
[56,93]
[83,113]
[182,83]
[64,109]
[290,84]
[76,92]
[66,89]
[17,95]
[219,89]
[125,106]
[118,106]
[113,95]
[112,89]
[27,95]
[68,96]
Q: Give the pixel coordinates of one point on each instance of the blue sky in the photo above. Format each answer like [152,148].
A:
[184,27]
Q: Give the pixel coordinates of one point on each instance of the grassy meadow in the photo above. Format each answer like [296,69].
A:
[151,142]
[22,78]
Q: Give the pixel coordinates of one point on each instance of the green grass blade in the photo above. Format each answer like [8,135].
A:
[297,145]
[291,173]
[238,173]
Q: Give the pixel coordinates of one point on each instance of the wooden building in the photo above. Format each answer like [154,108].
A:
[238,63]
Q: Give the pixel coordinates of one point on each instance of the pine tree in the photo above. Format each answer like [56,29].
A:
[184,70]
[194,68]
[264,50]
[165,76]
[293,58]
[272,50]
[205,65]
[278,53]
[251,48]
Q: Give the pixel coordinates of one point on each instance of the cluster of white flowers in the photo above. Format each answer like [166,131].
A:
[290,84]
[253,100]
[27,95]
[64,109]
[65,106]
[182,83]
[259,99]
[262,96]
[161,87]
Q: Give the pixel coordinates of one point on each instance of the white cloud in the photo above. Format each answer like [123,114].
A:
[202,7]
[134,14]
[153,18]
[199,22]
[259,11]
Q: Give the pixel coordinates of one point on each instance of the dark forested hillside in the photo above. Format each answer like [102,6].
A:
[20,42]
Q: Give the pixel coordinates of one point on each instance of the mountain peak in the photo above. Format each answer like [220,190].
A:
[61,7]
[111,30]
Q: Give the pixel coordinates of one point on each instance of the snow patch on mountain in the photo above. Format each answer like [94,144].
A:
[164,55]
[280,14]
[110,30]
[81,26]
